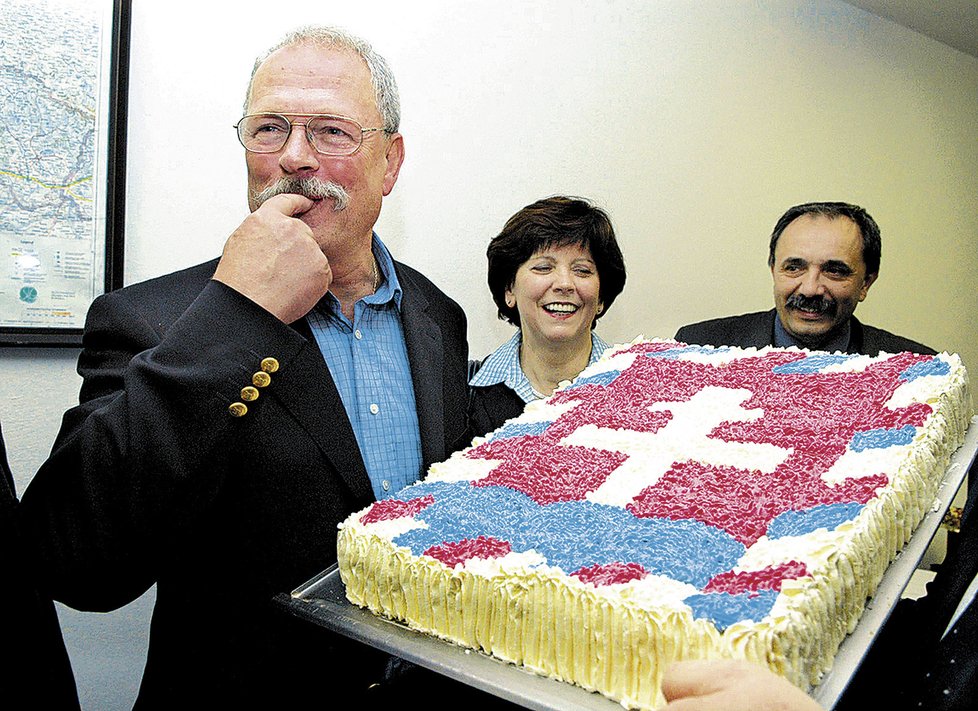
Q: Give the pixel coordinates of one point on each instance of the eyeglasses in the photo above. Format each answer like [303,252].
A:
[328,134]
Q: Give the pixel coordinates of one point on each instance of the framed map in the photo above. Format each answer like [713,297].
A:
[63,90]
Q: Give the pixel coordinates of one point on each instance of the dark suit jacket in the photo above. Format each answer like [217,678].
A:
[35,672]
[757,330]
[152,480]
[491,406]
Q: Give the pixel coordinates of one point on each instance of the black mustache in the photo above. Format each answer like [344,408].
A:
[815,304]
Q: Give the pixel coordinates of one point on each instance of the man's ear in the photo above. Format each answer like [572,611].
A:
[867,282]
[395,157]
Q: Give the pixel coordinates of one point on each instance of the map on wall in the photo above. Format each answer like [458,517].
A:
[54,68]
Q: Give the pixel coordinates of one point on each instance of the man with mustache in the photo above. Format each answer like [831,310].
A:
[823,256]
[233,413]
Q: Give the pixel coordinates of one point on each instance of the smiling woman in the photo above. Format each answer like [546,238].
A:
[553,271]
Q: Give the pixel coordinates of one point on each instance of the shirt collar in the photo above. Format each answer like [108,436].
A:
[839,342]
[503,366]
[388,288]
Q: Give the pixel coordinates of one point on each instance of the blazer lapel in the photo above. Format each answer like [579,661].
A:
[310,394]
[857,337]
[423,337]
[763,332]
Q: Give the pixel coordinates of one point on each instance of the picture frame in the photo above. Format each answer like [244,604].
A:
[64,77]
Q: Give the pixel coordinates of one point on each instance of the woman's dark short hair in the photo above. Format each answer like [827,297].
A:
[554,222]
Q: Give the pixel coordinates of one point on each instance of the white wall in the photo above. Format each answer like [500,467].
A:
[695,124]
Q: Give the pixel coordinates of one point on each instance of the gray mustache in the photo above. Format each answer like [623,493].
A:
[312,188]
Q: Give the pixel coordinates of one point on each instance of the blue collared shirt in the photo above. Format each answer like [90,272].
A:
[369,363]
[503,366]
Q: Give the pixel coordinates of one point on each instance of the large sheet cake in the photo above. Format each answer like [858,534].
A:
[673,502]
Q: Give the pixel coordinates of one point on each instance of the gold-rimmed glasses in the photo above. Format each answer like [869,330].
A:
[329,134]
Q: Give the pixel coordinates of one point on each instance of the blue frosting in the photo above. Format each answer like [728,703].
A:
[798,523]
[935,366]
[681,351]
[605,378]
[518,429]
[572,534]
[811,364]
[882,438]
[724,609]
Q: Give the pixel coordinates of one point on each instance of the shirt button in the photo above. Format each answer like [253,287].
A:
[374,409]
[386,484]
[358,333]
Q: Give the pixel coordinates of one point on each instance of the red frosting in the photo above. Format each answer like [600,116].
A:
[744,503]
[545,470]
[769,578]
[451,554]
[392,508]
[610,573]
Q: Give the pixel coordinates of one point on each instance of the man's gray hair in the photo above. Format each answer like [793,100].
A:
[381,76]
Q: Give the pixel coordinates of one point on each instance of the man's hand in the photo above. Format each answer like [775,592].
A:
[273,259]
[724,685]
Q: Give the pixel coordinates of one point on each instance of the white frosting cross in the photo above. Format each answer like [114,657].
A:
[683,438]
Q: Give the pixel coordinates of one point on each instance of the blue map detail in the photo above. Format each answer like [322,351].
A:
[605,378]
[935,366]
[882,438]
[571,535]
[811,364]
[724,609]
[520,429]
[799,523]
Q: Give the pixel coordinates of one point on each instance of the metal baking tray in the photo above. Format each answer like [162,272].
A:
[322,601]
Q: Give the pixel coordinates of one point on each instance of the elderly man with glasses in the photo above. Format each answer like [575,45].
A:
[233,413]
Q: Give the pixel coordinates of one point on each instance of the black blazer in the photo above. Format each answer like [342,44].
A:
[757,330]
[152,480]
[35,672]
[490,407]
